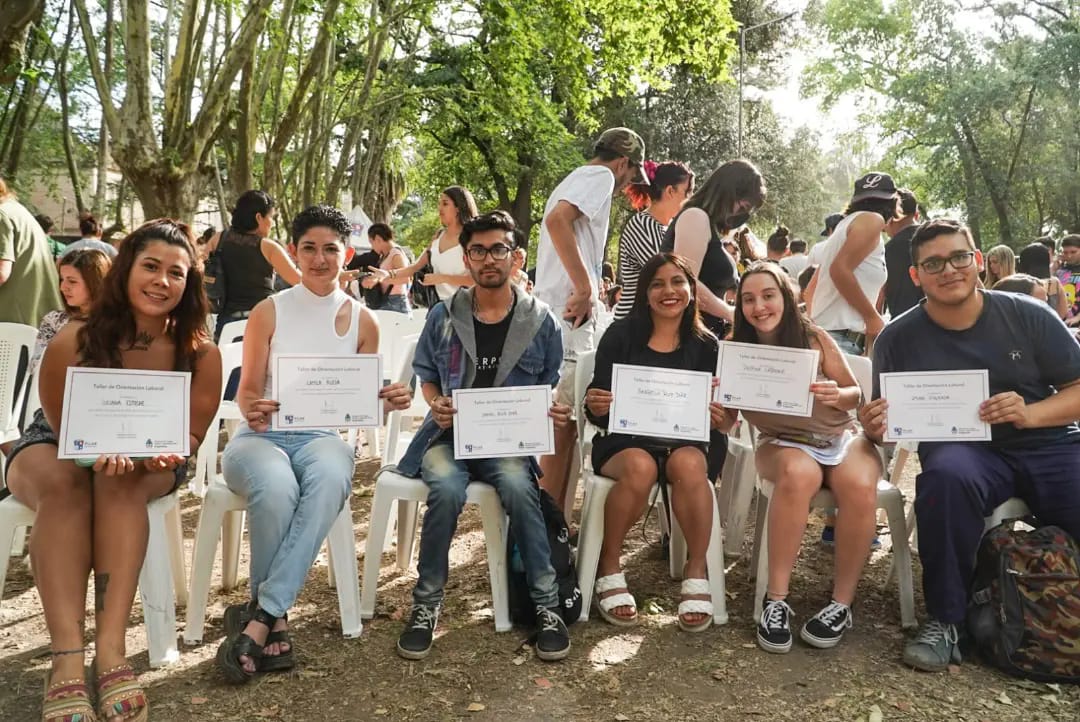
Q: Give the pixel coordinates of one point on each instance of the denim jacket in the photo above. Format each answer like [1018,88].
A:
[446,355]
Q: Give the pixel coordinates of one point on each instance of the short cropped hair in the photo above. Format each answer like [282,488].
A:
[909,205]
[495,220]
[320,216]
[938,227]
[798,246]
[1018,283]
[381,230]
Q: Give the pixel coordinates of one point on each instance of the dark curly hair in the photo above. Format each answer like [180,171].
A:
[320,216]
[110,325]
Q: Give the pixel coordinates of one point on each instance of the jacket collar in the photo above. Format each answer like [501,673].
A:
[526,322]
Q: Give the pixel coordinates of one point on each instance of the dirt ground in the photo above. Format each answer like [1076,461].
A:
[649,672]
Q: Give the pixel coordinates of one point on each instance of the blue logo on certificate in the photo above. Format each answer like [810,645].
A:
[469,448]
[897,431]
[288,418]
[622,423]
[78,444]
[727,397]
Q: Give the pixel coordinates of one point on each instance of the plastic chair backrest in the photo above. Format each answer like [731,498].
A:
[233,331]
[583,374]
[863,369]
[394,328]
[405,374]
[232,356]
[16,346]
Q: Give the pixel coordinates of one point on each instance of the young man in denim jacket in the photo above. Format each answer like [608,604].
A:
[491,335]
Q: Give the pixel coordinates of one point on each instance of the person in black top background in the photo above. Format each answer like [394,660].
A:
[900,293]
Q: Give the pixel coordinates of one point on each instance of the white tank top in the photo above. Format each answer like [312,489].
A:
[304,323]
[829,309]
[450,262]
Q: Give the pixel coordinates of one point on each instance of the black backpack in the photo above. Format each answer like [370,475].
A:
[522,610]
[1024,610]
[214,280]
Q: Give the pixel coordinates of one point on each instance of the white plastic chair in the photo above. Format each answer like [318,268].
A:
[222,515]
[233,332]
[16,340]
[1015,508]
[889,498]
[591,533]
[161,580]
[738,480]
[228,411]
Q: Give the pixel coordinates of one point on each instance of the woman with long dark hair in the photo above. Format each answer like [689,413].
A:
[800,455]
[663,330]
[448,272]
[656,202]
[150,314]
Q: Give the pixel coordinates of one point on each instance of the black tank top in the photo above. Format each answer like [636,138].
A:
[249,277]
[718,271]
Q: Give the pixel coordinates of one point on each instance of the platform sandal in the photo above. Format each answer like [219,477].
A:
[67,700]
[120,694]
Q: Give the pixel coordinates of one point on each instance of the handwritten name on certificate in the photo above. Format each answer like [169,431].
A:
[504,421]
[936,405]
[327,392]
[129,411]
[766,378]
[658,402]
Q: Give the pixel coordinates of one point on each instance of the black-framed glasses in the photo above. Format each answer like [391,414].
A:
[956,260]
[499,252]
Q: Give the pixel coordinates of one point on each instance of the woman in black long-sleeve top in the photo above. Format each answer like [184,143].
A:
[663,330]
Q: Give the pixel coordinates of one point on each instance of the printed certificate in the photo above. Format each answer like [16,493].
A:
[125,411]
[327,392]
[936,405]
[766,378]
[658,402]
[504,421]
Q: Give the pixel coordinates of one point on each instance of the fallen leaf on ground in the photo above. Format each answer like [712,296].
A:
[1004,699]
[518,661]
[621,717]
[475,707]
[902,706]
[199,700]
[954,669]
[543,682]
[381,711]
[875,714]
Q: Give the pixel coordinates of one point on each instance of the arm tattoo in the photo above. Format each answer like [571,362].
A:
[101,584]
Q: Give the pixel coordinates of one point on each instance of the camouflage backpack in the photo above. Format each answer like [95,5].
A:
[1024,609]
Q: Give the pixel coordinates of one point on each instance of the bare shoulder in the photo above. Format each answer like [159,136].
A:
[208,353]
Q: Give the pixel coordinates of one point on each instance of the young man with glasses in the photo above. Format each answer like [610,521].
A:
[1034,404]
[491,335]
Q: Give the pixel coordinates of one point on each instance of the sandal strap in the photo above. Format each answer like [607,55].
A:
[67,701]
[695,606]
[279,637]
[695,586]
[245,646]
[611,582]
[623,599]
[119,692]
[262,616]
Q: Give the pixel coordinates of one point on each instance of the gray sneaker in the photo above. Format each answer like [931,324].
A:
[934,647]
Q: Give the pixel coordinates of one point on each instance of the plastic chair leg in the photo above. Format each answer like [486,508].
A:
[211,521]
[18,542]
[378,521]
[494,521]
[761,555]
[714,560]
[590,541]
[407,521]
[175,531]
[7,533]
[342,543]
[232,532]
[331,580]
[901,554]
[739,499]
[677,553]
[156,591]
[391,528]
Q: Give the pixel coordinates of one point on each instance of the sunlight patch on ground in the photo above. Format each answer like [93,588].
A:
[614,650]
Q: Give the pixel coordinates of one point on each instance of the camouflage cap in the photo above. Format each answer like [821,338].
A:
[626,143]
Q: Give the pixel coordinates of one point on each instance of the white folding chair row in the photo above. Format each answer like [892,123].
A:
[889,498]
[16,343]
[161,580]
[206,461]
[735,491]
[233,331]
[591,533]
[392,488]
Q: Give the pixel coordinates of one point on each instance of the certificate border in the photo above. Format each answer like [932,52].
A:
[460,454]
[884,378]
[815,353]
[275,389]
[616,368]
[185,421]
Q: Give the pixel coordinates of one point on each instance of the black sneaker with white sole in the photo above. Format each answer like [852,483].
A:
[825,628]
[774,627]
[552,636]
[415,641]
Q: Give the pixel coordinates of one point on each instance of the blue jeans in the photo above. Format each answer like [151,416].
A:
[398,302]
[295,483]
[520,495]
[847,345]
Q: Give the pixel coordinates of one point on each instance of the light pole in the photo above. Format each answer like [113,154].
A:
[742,52]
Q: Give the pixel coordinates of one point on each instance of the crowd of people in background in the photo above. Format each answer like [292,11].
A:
[687,273]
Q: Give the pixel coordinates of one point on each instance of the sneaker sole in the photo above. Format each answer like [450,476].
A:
[773,648]
[924,667]
[553,656]
[818,642]
[410,654]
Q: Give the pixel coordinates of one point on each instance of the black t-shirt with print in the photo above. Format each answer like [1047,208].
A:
[490,339]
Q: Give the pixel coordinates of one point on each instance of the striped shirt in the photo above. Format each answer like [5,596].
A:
[639,242]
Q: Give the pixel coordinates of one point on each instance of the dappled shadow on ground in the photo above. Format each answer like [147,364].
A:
[648,672]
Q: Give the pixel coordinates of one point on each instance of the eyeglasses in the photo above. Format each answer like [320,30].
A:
[499,252]
[956,260]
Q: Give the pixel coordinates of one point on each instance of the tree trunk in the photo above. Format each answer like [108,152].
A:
[997,196]
[18,16]
[65,119]
[101,189]
[971,193]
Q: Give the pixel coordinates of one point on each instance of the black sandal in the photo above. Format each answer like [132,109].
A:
[236,618]
[240,645]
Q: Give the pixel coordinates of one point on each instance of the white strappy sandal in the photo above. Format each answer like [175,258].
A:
[611,583]
[692,587]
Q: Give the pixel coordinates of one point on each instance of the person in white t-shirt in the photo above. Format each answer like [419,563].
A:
[569,260]
[795,263]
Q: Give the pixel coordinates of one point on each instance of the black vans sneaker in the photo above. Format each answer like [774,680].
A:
[552,636]
[825,628]
[415,641]
[774,627]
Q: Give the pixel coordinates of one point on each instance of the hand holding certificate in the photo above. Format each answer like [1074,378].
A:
[327,392]
[126,412]
[766,378]
[935,405]
[661,403]
[503,421]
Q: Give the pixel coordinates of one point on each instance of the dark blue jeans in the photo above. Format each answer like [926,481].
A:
[960,485]
[513,480]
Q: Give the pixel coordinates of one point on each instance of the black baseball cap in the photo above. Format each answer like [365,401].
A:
[874,185]
[831,222]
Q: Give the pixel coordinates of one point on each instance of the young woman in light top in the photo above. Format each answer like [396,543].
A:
[1000,263]
[800,455]
[395,293]
[150,314]
[448,274]
[295,482]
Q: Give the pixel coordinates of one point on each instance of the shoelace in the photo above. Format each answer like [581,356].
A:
[773,614]
[424,618]
[549,620]
[833,612]
[934,631]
